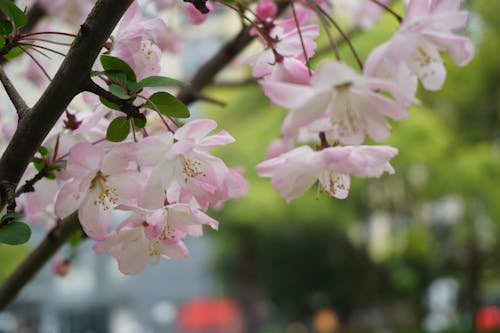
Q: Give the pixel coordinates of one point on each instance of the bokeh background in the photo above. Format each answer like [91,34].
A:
[418,251]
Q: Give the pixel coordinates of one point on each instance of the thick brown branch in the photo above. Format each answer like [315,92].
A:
[211,68]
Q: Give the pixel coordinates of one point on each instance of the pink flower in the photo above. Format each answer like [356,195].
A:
[348,105]
[100,181]
[139,42]
[294,172]
[156,233]
[183,159]
[414,49]
[282,44]
[266,10]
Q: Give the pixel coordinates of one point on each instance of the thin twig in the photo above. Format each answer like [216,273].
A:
[343,34]
[126,107]
[30,183]
[36,62]
[17,100]
[326,28]
[296,20]
[43,48]
[47,41]
[388,9]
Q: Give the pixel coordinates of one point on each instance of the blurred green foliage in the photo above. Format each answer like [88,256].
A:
[10,257]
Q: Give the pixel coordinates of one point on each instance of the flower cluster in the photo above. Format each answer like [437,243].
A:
[336,108]
[142,180]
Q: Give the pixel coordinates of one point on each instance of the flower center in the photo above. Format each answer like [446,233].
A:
[191,168]
[332,183]
[107,195]
[344,115]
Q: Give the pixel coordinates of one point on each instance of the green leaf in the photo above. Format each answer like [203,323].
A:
[44,151]
[50,175]
[110,63]
[15,52]
[5,27]
[159,81]
[38,163]
[2,42]
[118,129]
[168,105]
[12,11]
[116,76]
[140,123]
[118,91]
[12,216]
[109,104]
[133,86]
[15,233]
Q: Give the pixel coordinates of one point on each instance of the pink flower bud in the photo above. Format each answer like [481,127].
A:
[61,267]
[266,10]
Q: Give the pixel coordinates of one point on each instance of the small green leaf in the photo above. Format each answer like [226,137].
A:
[2,42]
[118,91]
[118,129]
[15,233]
[50,175]
[116,76]
[5,27]
[38,163]
[15,52]
[109,104]
[110,63]
[12,11]
[159,81]
[140,123]
[167,104]
[133,86]
[12,216]
[44,151]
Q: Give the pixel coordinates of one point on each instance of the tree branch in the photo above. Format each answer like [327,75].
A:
[126,107]
[207,72]
[37,259]
[14,96]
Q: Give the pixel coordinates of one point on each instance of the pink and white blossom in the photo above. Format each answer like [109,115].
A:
[156,233]
[294,172]
[100,182]
[414,49]
[349,106]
